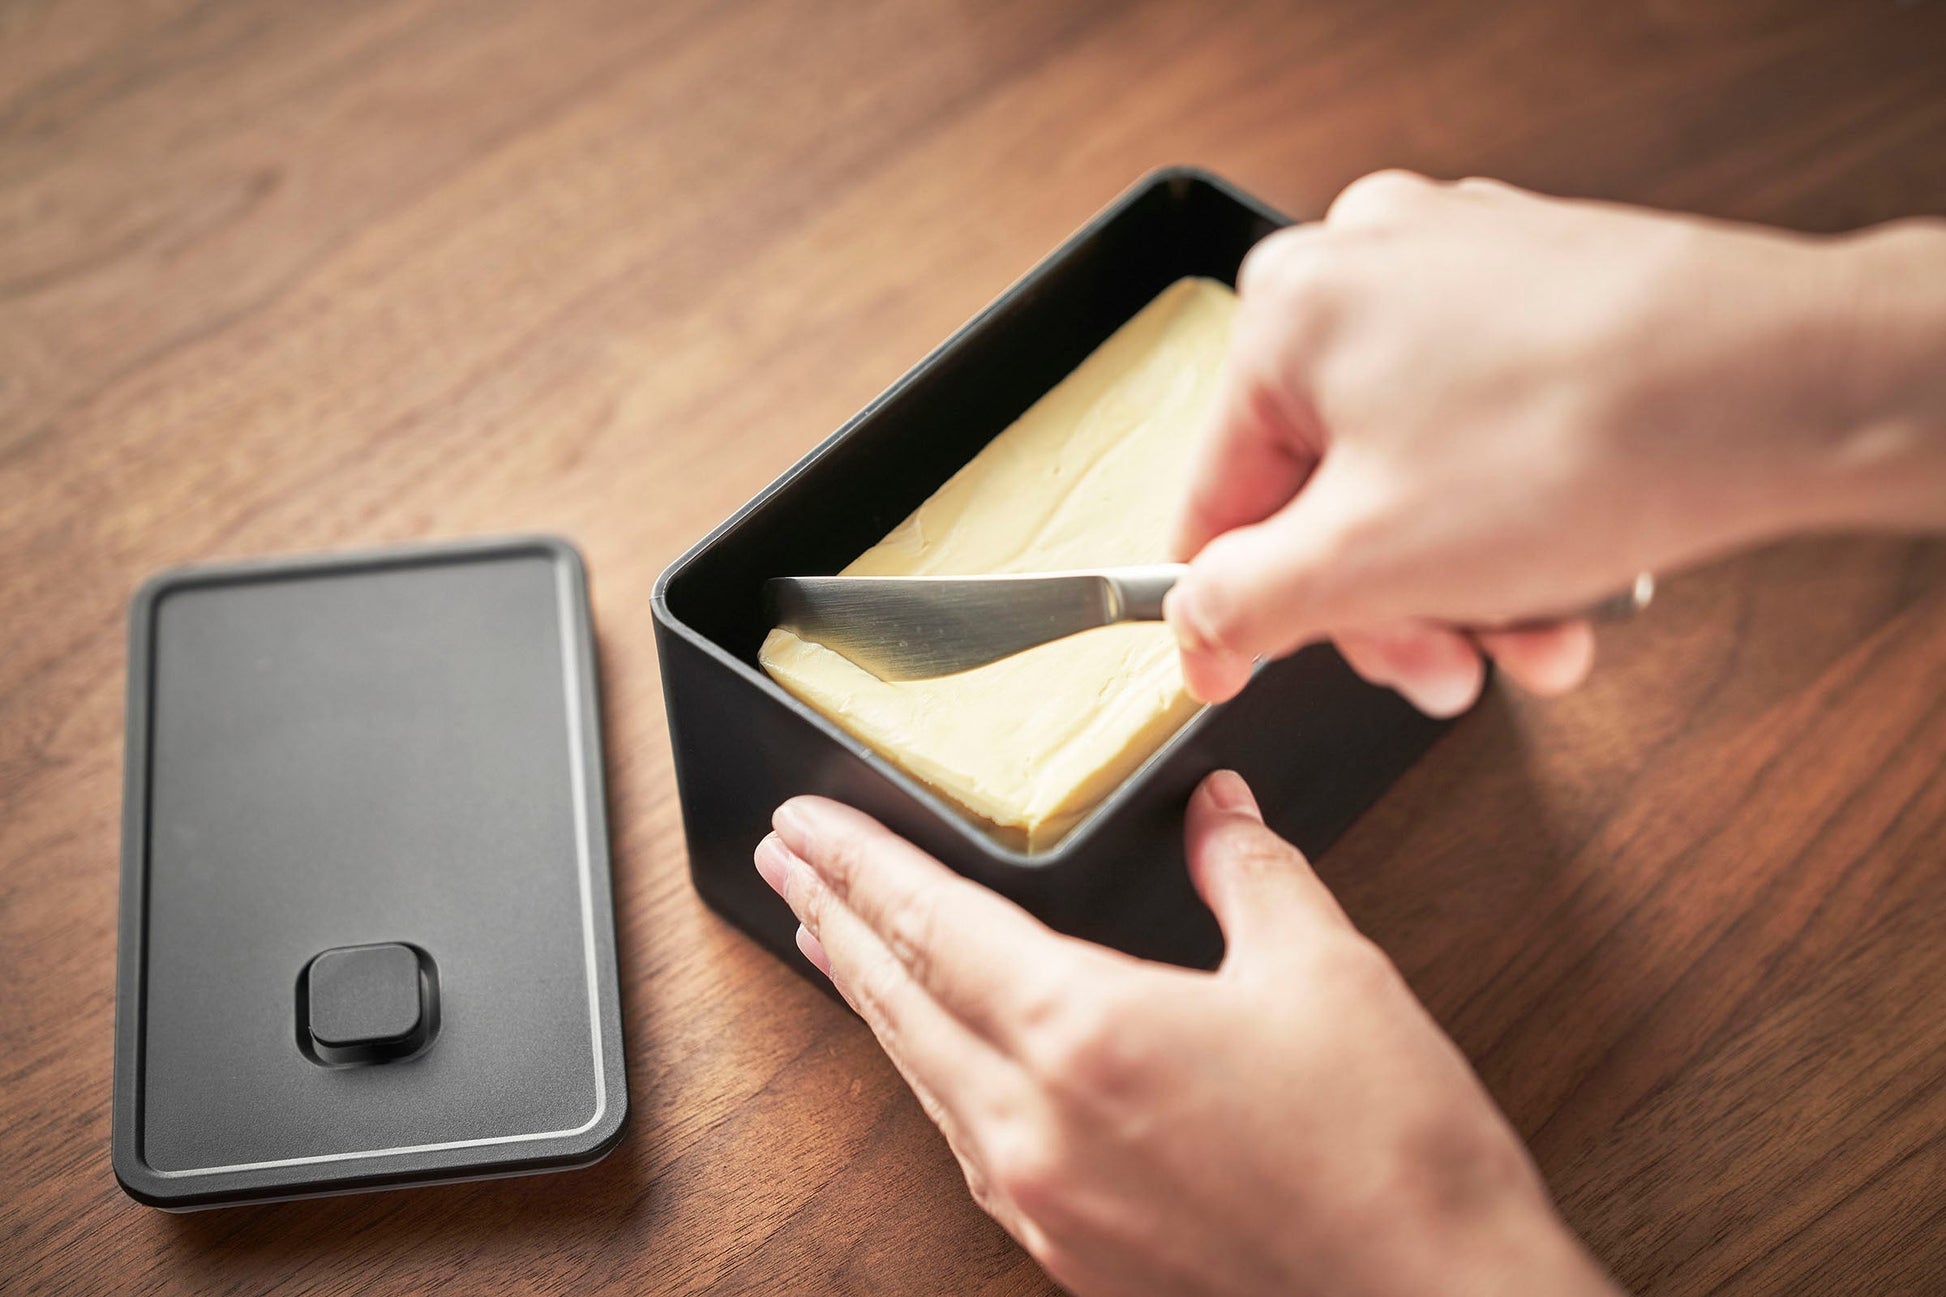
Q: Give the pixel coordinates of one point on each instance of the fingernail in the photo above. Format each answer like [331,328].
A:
[773,862]
[813,950]
[794,827]
[1227,792]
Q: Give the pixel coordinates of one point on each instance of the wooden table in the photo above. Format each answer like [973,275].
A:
[280,277]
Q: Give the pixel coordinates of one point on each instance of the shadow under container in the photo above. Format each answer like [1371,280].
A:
[1316,743]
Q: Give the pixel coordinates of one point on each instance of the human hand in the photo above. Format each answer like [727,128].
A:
[1291,1123]
[1464,405]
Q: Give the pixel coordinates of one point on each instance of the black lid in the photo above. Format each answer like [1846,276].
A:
[367,935]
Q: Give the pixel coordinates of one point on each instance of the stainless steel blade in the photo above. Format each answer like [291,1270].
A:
[913,628]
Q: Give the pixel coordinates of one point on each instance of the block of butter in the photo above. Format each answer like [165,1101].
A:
[1090,476]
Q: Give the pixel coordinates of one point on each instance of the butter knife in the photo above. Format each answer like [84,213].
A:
[918,627]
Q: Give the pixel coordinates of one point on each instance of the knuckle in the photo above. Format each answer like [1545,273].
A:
[873,993]
[1379,196]
[1250,582]
[938,1114]
[809,897]
[1041,1243]
[1025,1170]
[1053,1247]
[1245,846]
[1409,653]
[1041,1005]
[838,862]
[1356,967]
[1280,262]
[1091,1051]
[1219,607]
[1260,262]
[911,927]
[980,1185]
[1334,564]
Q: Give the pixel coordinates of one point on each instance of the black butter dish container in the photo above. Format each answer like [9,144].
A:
[1316,743]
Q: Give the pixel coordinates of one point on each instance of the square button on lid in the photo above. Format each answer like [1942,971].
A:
[371,997]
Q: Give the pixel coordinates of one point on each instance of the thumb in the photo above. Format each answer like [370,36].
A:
[1270,588]
[1259,886]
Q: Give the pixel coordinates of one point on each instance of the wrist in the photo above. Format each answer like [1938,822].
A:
[1510,1241]
[1528,1250]
[1481,1222]
[1884,335]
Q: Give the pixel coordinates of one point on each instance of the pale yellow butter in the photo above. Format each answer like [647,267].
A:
[1091,475]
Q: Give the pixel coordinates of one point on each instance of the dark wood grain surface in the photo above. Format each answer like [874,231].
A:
[281,277]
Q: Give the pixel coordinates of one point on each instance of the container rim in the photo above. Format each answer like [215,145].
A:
[1076,839]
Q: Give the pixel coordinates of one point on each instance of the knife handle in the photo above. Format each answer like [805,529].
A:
[1138,591]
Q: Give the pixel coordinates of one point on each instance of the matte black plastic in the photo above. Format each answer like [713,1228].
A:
[1317,743]
[367,935]
[375,1003]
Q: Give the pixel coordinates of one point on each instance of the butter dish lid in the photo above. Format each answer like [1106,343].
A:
[367,936]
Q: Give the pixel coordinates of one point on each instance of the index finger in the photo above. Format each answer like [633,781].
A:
[1257,448]
[1245,468]
[983,958]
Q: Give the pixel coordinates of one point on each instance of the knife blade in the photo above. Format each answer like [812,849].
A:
[917,627]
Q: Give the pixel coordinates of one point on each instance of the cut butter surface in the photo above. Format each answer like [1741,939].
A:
[1090,476]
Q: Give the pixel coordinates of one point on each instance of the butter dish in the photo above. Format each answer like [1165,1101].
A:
[1317,743]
